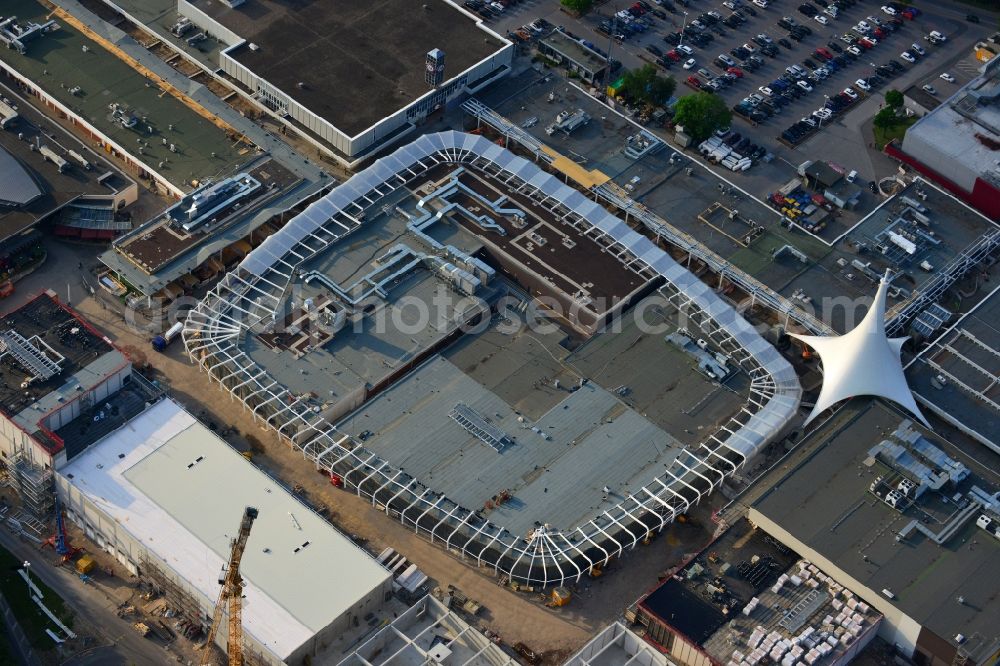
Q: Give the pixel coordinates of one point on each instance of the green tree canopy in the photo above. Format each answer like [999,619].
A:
[885,118]
[646,85]
[578,6]
[894,98]
[701,114]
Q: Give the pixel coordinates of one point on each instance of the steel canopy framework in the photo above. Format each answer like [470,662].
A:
[255,293]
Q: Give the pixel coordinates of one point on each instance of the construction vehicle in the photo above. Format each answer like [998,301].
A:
[59,541]
[231,594]
[85,564]
[560,596]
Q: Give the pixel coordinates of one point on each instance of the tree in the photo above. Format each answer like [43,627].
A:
[894,98]
[885,118]
[578,6]
[646,85]
[701,114]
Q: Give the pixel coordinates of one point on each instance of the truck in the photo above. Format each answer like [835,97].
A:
[160,342]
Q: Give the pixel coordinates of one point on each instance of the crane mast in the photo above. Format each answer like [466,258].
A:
[231,595]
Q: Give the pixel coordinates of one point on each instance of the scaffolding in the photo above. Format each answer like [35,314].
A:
[35,487]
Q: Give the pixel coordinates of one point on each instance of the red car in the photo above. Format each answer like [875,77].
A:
[824,53]
[867,43]
[694,82]
[735,71]
[673,55]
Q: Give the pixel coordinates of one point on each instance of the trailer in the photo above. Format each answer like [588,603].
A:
[160,342]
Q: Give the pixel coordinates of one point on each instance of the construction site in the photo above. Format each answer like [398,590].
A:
[230,332]
[524,388]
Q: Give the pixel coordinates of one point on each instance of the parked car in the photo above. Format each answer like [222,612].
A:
[804,85]
[689,63]
[928,88]
[863,85]
[907,56]
[947,77]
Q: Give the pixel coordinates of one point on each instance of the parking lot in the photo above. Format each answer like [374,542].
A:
[844,138]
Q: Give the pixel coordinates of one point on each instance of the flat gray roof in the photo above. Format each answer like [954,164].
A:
[575,51]
[964,130]
[34,185]
[968,355]
[825,504]
[587,441]
[156,476]
[359,60]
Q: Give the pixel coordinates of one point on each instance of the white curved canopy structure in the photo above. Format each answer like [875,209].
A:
[862,362]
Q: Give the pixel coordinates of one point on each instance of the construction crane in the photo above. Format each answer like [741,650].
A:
[232,594]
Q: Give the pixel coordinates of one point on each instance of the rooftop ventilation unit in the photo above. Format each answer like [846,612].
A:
[28,355]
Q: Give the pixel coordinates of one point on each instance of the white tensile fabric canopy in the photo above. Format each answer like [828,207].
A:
[862,362]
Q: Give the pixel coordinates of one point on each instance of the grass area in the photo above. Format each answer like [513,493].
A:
[6,650]
[884,136]
[32,619]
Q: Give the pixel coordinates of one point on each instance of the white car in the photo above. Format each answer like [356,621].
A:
[938,36]
[685,49]
[804,85]
[761,3]
[907,56]
[948,77]
[690,63]
[863,26]
[928,88]
[729,4]
[861,83]
[497,6]
[854,50]
[822,20]
[831,11]
[889,10]
[808,121]
[850,93]
[767,91]
[919,50]
[822,114]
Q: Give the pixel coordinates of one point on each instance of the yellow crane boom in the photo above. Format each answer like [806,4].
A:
[231,595]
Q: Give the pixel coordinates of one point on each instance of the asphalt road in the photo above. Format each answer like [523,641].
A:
[845,140]
[122,644]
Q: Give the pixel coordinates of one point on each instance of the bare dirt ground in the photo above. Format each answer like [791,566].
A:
[516,617]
